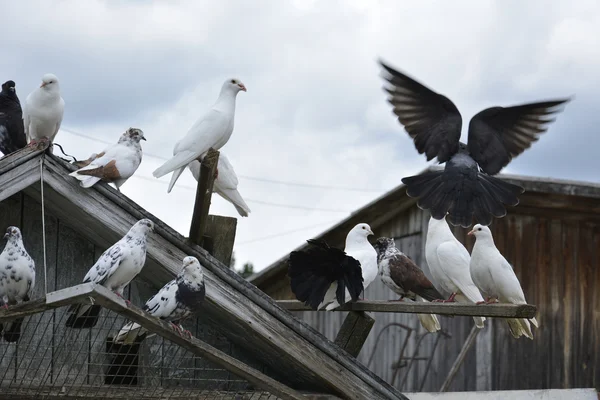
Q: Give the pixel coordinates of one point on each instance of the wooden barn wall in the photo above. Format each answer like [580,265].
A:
[557,261]
[69,256]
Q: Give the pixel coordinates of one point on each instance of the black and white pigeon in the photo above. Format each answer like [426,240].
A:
[115,164]
[17,279]
[12,133]
[323,276]
[213,129]
[177,300]
[43,111]
[496,279]
[226,183]
[403,277]
[466,187]
[115,268]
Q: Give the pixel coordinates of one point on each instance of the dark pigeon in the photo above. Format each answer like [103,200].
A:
[466,187]
[12,132]
[176,301]
[17,279]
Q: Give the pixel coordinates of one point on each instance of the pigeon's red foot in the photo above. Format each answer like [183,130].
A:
[5,306]
[33,143]
[187,333]
[450,299]
[481,302]
[176,328]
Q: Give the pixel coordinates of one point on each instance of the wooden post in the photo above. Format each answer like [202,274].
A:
[208,167]
[354,331]
[219,237]
[460,358]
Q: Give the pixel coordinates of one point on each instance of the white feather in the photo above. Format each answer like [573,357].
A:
[43,110]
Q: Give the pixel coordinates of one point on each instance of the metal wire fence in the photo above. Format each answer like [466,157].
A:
[52,360]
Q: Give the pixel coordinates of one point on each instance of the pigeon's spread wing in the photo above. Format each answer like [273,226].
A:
[163,303]
[454,262]
[498,134]
[106,265]
[431,119]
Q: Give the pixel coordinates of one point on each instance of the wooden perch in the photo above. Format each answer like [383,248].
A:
[354,332]
[473,310]
[208,167]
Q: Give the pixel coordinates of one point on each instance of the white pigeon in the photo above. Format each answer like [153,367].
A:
[495,277]
[115,164]
[43,111]
[359,248]
[213,129]
[17,279]
[115,268]
[177,300]
[448,262]
[225,183]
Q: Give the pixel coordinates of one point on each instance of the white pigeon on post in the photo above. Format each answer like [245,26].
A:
[496,279]
[115,268]
[213,129]
[177,300]
[43,111]
[17,279]
[323,276]
[448,262]
[115,164]
[225,184]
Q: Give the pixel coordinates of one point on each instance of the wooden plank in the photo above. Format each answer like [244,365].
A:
[109,300]
[483,310]
[204,190]
[219,237]
[461,357]
[17,179]
[354,332]
[13,160]
[274,336]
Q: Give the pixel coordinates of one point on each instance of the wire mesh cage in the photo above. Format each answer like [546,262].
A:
[51,360]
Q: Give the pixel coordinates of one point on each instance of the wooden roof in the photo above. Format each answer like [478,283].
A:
[248,316]
[568,199]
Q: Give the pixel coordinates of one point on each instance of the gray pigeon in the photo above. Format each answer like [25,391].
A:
[466,187]
[176,301]
[17,279]
[115,268]
[12,133]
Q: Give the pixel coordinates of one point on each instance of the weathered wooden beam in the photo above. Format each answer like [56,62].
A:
[354,332]
[18,178]
[108,299]
[208,167]
[473,310]
[460,358]
[219,237]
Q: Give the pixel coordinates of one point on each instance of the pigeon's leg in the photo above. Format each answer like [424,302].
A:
[450,299]
[32,143]
[491,300]
[121,296]
[5,306]
[400,299]
[177,328]
[486,301]
[185,331]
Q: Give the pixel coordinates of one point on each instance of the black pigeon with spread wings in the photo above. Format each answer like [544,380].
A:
[466,187]
[314,270]
[12,131]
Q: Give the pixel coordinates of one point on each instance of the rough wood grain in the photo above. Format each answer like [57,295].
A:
[219,237]
[484,310]
[102,214]
[109,300]
[204,190]
[354,331]
[17,179]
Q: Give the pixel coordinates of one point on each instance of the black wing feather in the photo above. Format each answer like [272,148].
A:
[431,119]
[312,271]
[498,134]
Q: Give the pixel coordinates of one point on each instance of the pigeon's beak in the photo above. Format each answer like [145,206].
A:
[471,233]
[5,235]
[43,84]
[12,89]
[371,232]
[143,138]
[242,87]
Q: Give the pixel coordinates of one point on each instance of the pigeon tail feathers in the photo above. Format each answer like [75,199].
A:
[174,178]
[83,316]
[180,160]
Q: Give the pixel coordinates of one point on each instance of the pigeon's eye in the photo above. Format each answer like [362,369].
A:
[479,229]
[233,81]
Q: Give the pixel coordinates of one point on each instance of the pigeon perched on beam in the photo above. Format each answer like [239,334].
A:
[12,132]
[496,279]
[115,164]
[225,184]
[43,111]
[115,268]
[466,187]
[448,262]
[213,129]
[323,276]
[176,301]
[403,277]
[17,279]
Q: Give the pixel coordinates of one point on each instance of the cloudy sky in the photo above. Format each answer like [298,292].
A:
[314,112]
